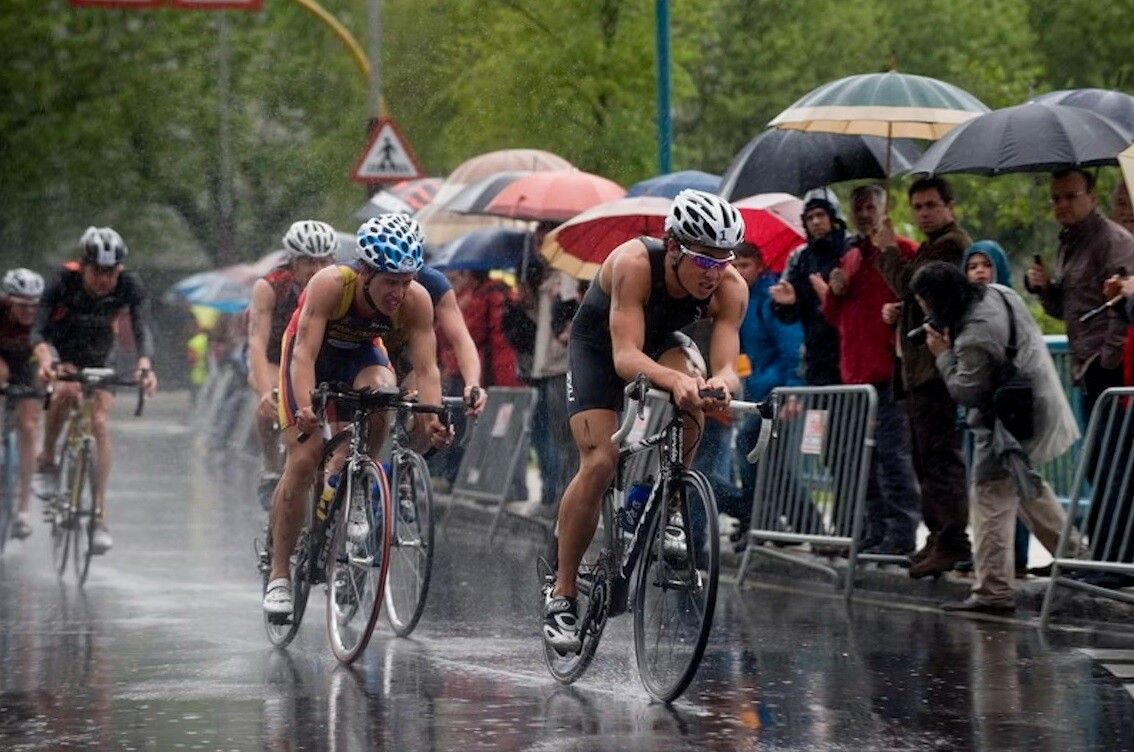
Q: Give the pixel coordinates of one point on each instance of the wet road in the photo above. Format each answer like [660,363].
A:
[164,650]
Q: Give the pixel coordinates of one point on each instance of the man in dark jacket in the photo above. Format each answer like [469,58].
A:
[937,455]
[796,297]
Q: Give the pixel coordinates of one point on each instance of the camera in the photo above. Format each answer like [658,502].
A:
[917,336]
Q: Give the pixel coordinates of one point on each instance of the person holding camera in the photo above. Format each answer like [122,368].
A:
[994,362]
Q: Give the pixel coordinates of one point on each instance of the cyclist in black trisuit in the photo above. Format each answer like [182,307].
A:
[75,328]
[21,289]
[628,324]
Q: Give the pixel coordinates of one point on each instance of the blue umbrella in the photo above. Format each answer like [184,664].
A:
[672,183]
[484,250]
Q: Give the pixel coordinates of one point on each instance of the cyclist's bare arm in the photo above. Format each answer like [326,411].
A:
[259,329]
[323,294]
[629,293]
[730,300]
[452,324]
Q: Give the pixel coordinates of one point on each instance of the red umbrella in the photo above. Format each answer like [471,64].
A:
[553,196]
[582,243]
[773,223]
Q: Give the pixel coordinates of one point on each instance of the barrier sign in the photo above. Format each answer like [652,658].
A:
[387,156]
[814,429]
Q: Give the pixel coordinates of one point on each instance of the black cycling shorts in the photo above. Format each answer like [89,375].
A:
[592,382]
[21,367]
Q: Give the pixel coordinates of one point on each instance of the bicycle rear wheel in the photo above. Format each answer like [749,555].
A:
[356,571]
[594,587]
[82,533]
[676,589]
[63,516]
[411,557]
[281,631]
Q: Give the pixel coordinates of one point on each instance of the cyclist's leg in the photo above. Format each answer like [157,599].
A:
[681,354]
[103,403]
[373,377]
[27,420]
[288,502]
[66,396]
[582,500]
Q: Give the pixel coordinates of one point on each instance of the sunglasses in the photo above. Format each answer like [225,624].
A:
[707,263]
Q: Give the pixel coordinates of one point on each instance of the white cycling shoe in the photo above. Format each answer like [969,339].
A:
[277,597]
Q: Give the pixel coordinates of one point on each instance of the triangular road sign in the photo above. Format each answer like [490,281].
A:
[387,156]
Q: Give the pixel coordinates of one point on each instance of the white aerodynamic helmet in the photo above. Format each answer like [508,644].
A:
[311,238]
[700,217]
[23,283]
[102,246]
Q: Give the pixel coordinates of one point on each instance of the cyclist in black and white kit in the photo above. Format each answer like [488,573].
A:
[75,328]
[627,324]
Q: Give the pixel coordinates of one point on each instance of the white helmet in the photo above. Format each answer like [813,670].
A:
[102,246]
[311,238]
[705,219]
[23,283]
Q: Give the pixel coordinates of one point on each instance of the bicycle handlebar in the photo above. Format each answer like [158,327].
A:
[639,390]
[102,377]
[384,398]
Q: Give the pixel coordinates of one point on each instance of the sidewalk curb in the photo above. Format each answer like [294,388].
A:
[875,584]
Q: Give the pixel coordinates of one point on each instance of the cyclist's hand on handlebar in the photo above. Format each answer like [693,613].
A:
[686,391]
[306,420]
[267,409]
[47,371]
[475,398]
[440,435]
[146,379]
[716,403]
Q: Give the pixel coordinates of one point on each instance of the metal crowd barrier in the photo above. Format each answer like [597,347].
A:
[498,445]
[1105,476]
[811,482]
[1060,472]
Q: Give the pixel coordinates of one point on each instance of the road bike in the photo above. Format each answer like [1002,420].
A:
[354,572]
[10,455]
[663,566]
[71,510]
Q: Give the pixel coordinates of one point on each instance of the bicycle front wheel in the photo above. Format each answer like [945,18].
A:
[359,561]
[411,557]
[82,491]
[8,482]
[676,589]
[63,515]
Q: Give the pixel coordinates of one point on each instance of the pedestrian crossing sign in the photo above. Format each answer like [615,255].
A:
[387,156]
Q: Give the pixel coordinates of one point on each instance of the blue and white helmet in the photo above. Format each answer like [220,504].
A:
[391,243]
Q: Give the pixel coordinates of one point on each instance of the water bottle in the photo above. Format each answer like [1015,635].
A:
[327,496]
[634,503]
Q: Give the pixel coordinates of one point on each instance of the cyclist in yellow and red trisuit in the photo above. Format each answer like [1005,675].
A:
[336,335]
[74,329]
[21,289]
[310,246]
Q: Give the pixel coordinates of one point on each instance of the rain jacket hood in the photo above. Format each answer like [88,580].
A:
[995,254]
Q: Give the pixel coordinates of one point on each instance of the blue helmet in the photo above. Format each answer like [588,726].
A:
[391,243]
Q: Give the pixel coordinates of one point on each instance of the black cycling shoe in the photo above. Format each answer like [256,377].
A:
[561,624]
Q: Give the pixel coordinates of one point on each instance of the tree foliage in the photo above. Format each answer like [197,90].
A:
[112,116]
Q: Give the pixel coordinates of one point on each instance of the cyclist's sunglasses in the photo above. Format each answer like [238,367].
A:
[707,263]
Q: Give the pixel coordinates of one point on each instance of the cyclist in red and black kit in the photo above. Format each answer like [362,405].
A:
[74,328]
[22,289]
[310,246]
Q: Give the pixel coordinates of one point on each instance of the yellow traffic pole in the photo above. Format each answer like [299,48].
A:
[342,33]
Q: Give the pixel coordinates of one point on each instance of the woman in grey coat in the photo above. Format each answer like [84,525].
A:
[968,335]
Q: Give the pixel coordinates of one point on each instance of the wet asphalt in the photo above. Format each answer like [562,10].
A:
[164,649]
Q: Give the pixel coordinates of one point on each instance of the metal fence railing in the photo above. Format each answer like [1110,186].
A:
[1104,477]
[811,482]
[1060,472]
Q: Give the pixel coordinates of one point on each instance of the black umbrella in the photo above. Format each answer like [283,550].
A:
[1116,105]
[1032,137]
[484,250]
[791,161]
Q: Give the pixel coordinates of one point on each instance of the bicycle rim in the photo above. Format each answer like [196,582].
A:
[356,572]
[411,555]
[84,507]
[677,589]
